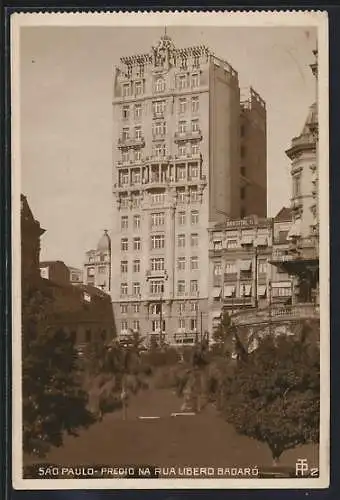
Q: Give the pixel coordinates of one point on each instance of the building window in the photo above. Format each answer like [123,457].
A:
[182,150]
[124,201]
[157,264]
[136,266]
[157,198]
[195,148]
[181,323]
[231,244]
[124,178]
[181,218]
[138,132]
[160,85]
[136,173]
[195,104]
[124,222]
[138,88]
[283,236]
[125,156]
[243,151]
[136,288]
[135,200]
[181,240]
[182,127]
[90,272]
[137,111]
[242,193]
[195,80]
[124,266]
[159,129]
[182,82]
[262,267]
[135,325]
[193,171]
[193,286]
[217,269]
[194,126]
[126,112]
[124,289]
[193,194]
[180,173]
[193,306]
[123,325]
[296,185]
[159,150]
[136,308]
[243,212]
[155,309]
[125,134]
[181,307]
[158,107]
[230,268]
[181,195]
[181,263]
[182,105]
[136,221]
[194,217]
[157,219]
[282,292]
[136,243]
[124,244]
[157,241]
[194,240]
[156,287]
[126,89]
[193,324]
[123,308]
[155,325]
[181,287]
[194,263]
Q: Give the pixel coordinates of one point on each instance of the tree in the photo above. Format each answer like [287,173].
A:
[274,393]
[53,401]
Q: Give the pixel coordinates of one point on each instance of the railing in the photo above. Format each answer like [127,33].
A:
[131,141]
[277,314]
[190,134]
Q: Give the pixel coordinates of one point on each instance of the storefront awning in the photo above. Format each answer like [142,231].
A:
[247,239]
[295,230]
[245,290]
[229,290]
[245,265]
[216,292]
[262,241]
[281,284]
[261,290]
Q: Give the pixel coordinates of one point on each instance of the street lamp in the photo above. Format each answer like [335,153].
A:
[256,277]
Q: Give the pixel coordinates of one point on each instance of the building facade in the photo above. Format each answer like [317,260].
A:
[56,271]
[176,170]
[76,276]
[97,265]
[302,259]
[242,278]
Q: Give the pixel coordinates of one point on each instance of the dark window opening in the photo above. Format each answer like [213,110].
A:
[88,336]
[243,193]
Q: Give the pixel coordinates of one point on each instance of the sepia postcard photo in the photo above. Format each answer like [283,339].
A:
[170,250]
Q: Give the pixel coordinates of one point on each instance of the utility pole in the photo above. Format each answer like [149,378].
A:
[270,307]
[201,326]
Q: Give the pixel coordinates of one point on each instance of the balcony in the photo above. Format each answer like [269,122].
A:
[129,142]
[188,135]
[277,314]
[230,277]
[237,301]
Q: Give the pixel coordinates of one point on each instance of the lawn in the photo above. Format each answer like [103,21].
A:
[202,440]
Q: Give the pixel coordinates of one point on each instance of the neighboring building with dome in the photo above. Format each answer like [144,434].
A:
[97,266]
[302,259]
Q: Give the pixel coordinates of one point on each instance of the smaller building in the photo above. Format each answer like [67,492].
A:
[56,271]
[241,275]
[97,266]
[76,276]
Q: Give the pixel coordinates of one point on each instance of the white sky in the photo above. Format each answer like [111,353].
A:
[66,121]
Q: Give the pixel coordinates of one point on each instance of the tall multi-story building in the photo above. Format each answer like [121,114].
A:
[97,265]
[180,133]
